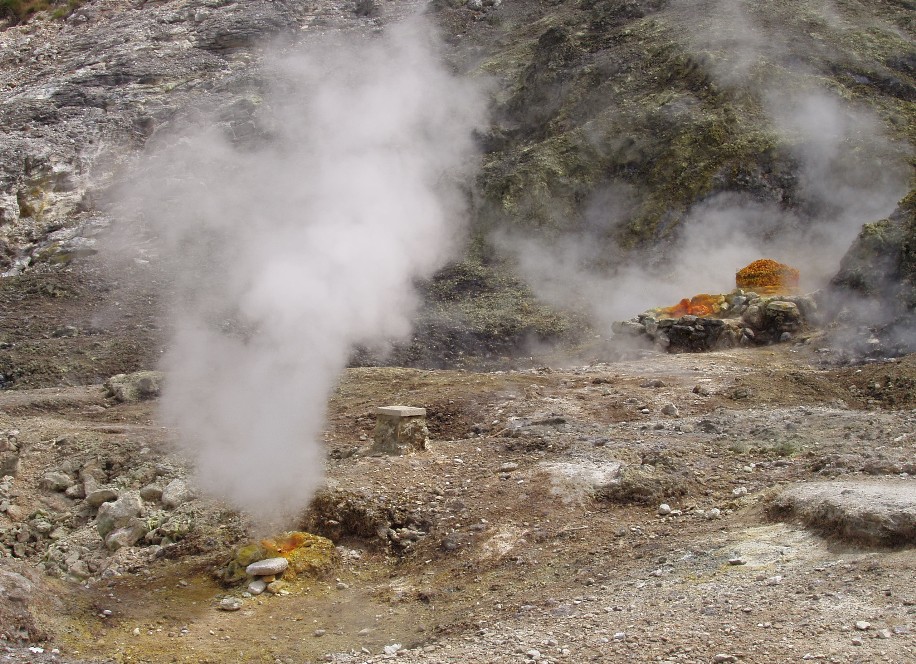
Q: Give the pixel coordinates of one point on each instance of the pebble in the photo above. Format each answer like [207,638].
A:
[714,513]
[230,604]
[670,409]
[737,561]
[257,586]
[723,657]
[664,509]
[392,649]
[884,633]
[508,467]
[320,632]
[863,625]
[533,654]
[774,580]
[267,567]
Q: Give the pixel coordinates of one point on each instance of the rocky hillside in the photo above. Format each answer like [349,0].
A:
[621,132]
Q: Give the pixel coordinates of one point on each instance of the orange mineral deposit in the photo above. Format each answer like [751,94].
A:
[768,277]
[699,305]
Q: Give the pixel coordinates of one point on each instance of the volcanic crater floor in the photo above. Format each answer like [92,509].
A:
[532,529]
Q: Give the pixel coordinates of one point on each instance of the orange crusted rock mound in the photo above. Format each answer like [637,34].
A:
[767,276]
[699,305]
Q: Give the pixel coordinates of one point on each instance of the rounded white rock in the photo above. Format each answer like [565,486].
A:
[267,567]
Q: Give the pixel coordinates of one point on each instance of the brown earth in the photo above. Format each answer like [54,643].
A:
[563,553]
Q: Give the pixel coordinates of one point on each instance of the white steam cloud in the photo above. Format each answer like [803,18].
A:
[287,249]
[848,171]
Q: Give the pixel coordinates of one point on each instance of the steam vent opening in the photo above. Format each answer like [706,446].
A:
[400,430]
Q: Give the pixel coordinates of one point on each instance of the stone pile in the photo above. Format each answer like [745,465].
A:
[92,510]
[743,318]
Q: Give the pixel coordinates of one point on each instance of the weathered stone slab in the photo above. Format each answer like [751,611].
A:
[401,411]
[881,512]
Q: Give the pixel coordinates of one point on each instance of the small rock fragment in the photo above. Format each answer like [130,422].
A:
[863,625]
[56,481]
[230,604]
[257,586]
[151,492]
[664,509]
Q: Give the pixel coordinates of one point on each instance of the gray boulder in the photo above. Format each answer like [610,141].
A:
[118,514]
[127,535]
[175,493]
[136,386]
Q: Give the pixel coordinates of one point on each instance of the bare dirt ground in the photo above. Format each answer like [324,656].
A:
[530,529]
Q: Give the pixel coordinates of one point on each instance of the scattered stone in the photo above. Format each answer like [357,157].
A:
[133,387]
[151,493]
[257,586]
[278,587]
[664,509]
[99,496]
[653,382]
[230,604]
[671,409]
[774,580]
[713,513]
[56,481]
[76,492]
[126,536]
[320,632]
[175,493]
[267,567]
[884,633]
[392,649]
[118,513]
[737,561]
[508,467]
[863,625]
[722,657]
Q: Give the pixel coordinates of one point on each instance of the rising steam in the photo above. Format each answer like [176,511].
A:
[848,170]
[288,247]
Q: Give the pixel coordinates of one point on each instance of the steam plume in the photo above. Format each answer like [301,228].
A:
[287,249]
[848,173]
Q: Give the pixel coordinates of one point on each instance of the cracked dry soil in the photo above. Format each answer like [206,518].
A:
[530,530]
